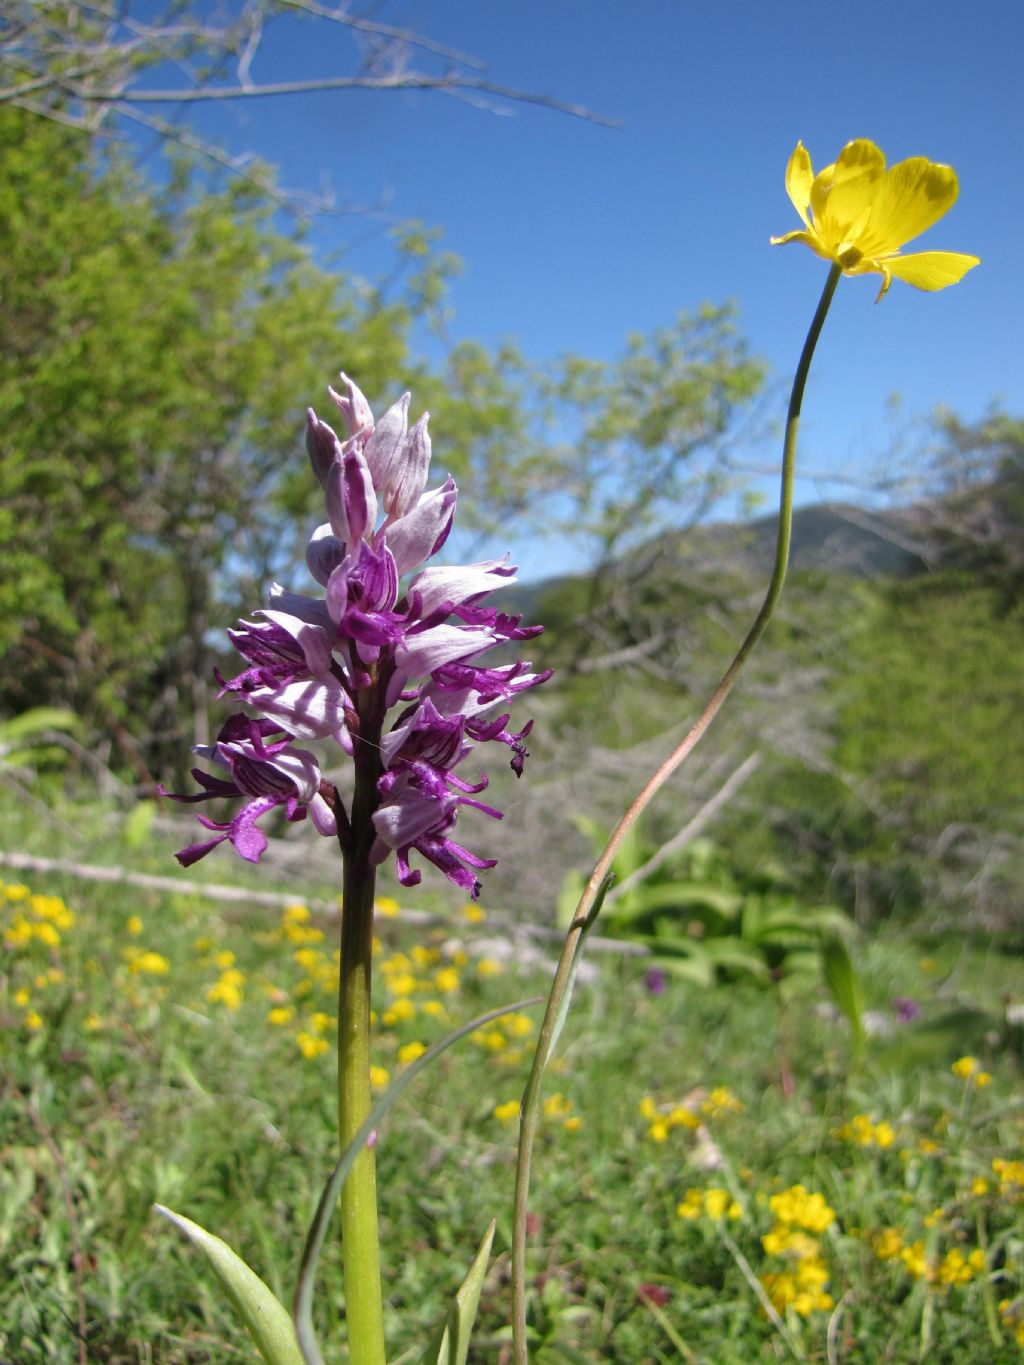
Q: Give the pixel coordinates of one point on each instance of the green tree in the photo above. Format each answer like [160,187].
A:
[156,348]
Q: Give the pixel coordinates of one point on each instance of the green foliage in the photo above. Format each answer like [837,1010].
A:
[148,1089]
[25,739]
[450,1345]
[155,349]
[704,920]
[264,1317]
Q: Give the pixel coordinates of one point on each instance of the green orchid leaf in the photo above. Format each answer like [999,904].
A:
[450,1344]
[698,970]
[844,985]
[688,896]
[266,1318]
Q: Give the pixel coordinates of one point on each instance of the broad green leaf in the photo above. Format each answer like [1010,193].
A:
[688,896]
[844,984]
[696,969]
[450,1345]
[267,1320]
[35,721]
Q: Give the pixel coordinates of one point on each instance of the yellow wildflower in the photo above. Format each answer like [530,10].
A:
[506,1112]
[475,914]
[134,925]
[280,1015]
[22,997]
[718,1203]
[857,214]
[681,1117]
[487,966]
[310,1045]
[691,1205]
[386,907]
[227,991]
[401,1011]
[802,1209]
[309,959]
[557,1106]
[93,1023]
[446,980]
[979,1186]
[295,914]
[573,1123]
[914,1260]
[965,1067]
[18,932]
[887,1244]
[1011,1176]
[409,1052]
[33,1020]
[721,1101]
[433,1009]
[303,933]
[149,964]
[957,1269]
[658,1131]
[379,1077]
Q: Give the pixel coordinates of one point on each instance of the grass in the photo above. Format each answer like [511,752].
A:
[157,1048]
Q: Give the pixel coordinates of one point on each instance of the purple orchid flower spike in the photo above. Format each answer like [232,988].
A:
[333,668]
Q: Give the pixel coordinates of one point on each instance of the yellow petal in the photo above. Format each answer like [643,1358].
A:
[912,196]
[799,178]
[930,269]
[843,194]
[810,239]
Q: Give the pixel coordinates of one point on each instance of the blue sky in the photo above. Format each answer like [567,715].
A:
[573,235]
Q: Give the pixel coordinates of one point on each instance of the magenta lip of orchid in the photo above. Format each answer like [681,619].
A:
[334,667]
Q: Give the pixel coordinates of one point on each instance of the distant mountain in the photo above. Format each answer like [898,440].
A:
[832,537]
[829,537]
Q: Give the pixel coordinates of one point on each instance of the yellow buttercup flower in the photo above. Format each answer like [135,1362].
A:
[857,214]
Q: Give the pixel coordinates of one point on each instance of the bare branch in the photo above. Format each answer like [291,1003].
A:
[451,82]
[690,830]
[81,65]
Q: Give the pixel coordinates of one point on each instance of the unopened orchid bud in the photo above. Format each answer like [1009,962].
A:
[354,409]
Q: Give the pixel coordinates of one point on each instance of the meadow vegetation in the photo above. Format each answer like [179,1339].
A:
[690,1203]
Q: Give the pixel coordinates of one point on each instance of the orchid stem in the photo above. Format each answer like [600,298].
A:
[358,1201]
[581,919]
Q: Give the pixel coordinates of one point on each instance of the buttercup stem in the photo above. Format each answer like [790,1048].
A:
[358,1200]
[531,1097]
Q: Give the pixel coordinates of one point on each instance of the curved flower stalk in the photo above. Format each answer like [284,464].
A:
[862,216]
[857,215]
[333,667]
